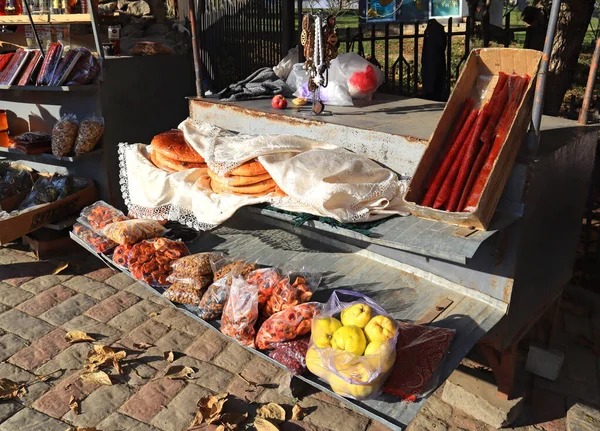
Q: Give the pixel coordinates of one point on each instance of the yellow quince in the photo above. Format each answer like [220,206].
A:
[349,338]
[323,330]
[380,328]
[356,315]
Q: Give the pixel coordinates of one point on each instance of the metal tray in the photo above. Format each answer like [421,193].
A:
[406,293]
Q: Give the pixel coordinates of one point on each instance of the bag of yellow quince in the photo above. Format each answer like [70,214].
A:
[352,345]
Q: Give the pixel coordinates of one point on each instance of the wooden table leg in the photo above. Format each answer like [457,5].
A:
[503,366]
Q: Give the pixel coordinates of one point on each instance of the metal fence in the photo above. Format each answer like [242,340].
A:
[397,48]
[238,37]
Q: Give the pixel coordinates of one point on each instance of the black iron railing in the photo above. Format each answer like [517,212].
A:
[238,37]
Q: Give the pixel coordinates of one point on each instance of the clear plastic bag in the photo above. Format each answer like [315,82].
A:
[194,268]
[293,289]
[286,325]
[241,312]
[215,297]
[183,293]
[351,375]
[361,77]
[100,214]
[150,260]
[291,354]
[335,94]
[90,132]
[297,77]
[283,69]
[98,242]
[64,134]
[133,231]
[267,280]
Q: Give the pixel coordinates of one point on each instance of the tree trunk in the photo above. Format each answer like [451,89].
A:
[573,22]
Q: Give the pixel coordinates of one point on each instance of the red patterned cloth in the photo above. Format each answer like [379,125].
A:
[419,352]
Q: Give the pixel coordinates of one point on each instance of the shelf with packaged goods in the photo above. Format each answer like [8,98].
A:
[64,88]
[49,159]
[75,18]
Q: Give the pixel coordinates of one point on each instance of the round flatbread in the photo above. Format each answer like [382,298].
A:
[156,163]
[237,180]
[248,169]
[258,189]
[174,164]
[172,144]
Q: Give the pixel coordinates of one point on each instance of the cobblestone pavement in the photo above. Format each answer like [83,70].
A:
[37,309]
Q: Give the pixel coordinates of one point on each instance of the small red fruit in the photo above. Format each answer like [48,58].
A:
[279,102]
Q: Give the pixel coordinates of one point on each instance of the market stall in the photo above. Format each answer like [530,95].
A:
[339,190]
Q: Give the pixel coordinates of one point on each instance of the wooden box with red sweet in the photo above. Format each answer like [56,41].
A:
[469,157]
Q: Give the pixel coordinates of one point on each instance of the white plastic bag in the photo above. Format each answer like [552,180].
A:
[283,69]
[361,77]
[297,77]
[335,94]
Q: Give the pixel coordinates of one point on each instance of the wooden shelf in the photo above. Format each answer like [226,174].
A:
[64,88]
[76,18]
[45,158]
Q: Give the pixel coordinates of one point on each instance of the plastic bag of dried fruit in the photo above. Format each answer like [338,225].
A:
[100,214]
[293,289]
[150,260]
[286,325]
[133,231]
[291,354]
[266,279]
[90,132]
[121,255]
[64,134]
[195,268]
[98,242]
[241,312]
[215,297]
[184,293]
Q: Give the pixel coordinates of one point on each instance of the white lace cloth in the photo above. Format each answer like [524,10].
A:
[320,179]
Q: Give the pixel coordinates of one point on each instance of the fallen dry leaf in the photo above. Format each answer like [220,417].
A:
[272,411]
[179,372]
[60,268]
[209,409]
[169,356]
[74,405]
[262,424]
[9,389]
[298,413]
[77,337]
[98,377]
[142,345]
[104,355]
[153,314]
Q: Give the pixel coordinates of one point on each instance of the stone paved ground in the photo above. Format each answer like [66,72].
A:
[38,308]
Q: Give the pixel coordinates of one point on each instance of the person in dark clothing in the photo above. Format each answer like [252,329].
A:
[433,62]
[537,24]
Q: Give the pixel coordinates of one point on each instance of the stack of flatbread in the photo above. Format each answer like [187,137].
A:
[249,179]
[171,153]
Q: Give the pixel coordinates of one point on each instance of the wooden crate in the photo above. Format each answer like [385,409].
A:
[486,62]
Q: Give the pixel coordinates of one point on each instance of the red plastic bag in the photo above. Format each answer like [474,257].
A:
[286,325]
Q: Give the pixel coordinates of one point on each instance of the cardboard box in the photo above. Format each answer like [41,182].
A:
[36,217]
[47,243]
[481,62]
